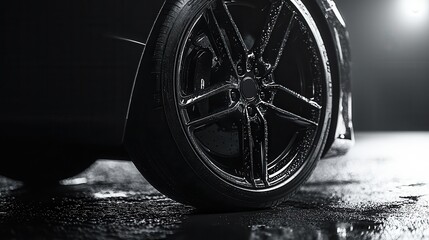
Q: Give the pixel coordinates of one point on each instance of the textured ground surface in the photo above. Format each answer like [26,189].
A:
[379,191]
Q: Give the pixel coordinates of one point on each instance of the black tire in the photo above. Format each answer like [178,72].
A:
[43,165]
[205,168]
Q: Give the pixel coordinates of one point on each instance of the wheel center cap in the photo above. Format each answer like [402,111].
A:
[248,88]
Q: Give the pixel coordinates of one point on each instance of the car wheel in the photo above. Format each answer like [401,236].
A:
[238,108]
[41,165]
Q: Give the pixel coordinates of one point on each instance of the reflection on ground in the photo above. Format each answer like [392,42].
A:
[379,191]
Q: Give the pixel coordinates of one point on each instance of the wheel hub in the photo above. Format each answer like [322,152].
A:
[248,88]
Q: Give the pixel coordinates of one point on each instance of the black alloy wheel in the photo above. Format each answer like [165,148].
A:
[246,91]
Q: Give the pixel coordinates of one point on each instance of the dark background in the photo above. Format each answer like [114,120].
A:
[390,53]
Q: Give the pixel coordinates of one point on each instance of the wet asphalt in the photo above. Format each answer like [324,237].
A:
[378,191]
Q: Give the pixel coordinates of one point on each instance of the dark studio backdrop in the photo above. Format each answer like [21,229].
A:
[390,52]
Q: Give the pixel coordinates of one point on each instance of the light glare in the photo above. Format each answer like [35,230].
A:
[413,11]
[415,6]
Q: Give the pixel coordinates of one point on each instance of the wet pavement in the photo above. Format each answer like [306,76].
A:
[380,190]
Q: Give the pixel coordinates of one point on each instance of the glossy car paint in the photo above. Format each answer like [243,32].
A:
[69,70]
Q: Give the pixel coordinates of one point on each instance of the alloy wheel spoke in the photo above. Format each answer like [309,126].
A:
[206,93]
[225,20]
[247,147]
[275,86]
[270,45]
[264,148]
[212,117]
[273,15]
[218,39]
[291,116]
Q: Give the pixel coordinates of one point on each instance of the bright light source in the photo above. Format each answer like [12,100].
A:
[415,6]
[413,11]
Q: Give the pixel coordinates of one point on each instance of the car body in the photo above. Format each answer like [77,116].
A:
[69,72]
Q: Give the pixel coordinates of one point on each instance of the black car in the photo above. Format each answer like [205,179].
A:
[219,103]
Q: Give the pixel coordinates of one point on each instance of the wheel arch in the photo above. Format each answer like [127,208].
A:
[143,73]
